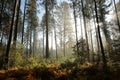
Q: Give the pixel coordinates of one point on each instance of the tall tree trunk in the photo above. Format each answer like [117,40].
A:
[52,42]
[33,47]
[105,30]
[61,40]
[23,21]
[84,19]
[16,23]
[64,41]
[97,39]
[30,33]
[43,42]
[10,36]
[47,41]
[1,12]
[34,41]
[91,42]
[118,23]
[28,39]
[81,29]
[74,13]
[55,41]
[99,35]
[64,36]
[55,37]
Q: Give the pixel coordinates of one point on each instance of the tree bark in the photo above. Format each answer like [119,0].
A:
[74,13]
[55,41]
[51,41]
[86,35]
[23,21]
[118,23]
[1,12]
[30,33]
[97,39]
[64,50]
[92,43]
[16,23]
[10,36]
[81,29]
[99,35]
[47,41]
[43,42]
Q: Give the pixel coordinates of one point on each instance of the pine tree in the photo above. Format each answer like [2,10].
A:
[48,4]
[32,20]
[10,35]
[74,13]
[86,35]
[16,23]
[99,35]
[24,21]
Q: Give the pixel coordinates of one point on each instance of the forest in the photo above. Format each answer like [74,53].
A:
[59,39]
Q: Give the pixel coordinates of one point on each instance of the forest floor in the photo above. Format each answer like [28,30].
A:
[60,72]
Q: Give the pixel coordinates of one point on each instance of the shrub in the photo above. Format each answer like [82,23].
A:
[16,58]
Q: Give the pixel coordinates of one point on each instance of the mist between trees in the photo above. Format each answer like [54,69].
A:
[40,32]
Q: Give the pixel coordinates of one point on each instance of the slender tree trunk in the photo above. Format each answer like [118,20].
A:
[23,21]
[10,36]
[118,23]
[30,33]
[99,35]
[97,39]
[52,42]
[81,30]
[1,13]
[64,36]
[55,37]
[92,43]
[55,41]
[28,39]
[85,30]
[64,42]
[47,41]
[74,12]
[16,23]
[105,30]
[27,48]
[34,42]
[61,41]
[43,42]
[33,48]
[81,36]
